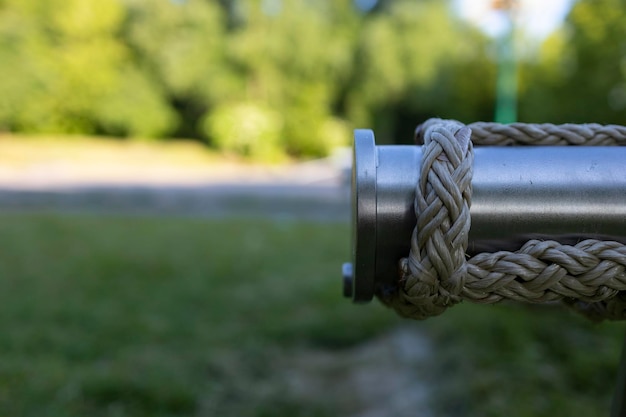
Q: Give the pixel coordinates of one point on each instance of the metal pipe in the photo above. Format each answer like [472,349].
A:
[519,193]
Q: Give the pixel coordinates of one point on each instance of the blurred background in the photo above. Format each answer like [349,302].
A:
[174,206]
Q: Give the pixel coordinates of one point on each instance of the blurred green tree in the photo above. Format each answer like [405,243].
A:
[247,129]
[65,71]
[181,45]
[294,57]
[312,70]
[416,61]
[580,75]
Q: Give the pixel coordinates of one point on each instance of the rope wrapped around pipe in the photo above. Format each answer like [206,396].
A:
[589,276]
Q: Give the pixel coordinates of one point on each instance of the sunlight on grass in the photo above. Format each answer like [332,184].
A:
[22,150]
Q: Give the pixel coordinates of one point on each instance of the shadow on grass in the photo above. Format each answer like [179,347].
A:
[109,316]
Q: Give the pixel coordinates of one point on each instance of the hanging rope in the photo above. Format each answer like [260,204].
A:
[589,276]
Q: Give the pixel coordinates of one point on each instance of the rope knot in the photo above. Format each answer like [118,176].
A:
[589,276]
[433,276]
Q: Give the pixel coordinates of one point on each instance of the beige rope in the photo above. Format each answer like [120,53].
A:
[496,134]
[589,276]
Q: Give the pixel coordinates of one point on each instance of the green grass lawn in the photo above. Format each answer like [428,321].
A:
[111,316]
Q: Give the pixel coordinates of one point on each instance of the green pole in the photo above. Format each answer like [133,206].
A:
[506,84]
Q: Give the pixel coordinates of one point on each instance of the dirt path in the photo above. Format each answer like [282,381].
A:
[381,378]
[315,190]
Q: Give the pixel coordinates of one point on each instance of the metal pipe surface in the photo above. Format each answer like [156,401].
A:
[519,193]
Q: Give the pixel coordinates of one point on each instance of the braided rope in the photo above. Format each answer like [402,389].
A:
[496,134]
[589,276]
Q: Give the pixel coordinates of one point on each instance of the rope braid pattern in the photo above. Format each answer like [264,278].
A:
[589,276]
[496,134]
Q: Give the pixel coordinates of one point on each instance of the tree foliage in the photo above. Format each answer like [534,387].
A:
[580,75]
[66,70]
[268,77]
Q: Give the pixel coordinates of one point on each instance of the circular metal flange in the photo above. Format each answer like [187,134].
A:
[364,166]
